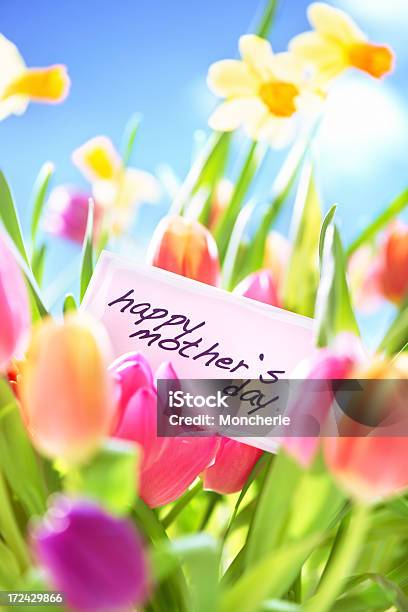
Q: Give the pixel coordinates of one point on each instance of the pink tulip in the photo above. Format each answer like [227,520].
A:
[169,465]
[131,372]
[14,306]
[334,363]
[276,258]
[185,247]
[233,464]
[67,213]
[259,286]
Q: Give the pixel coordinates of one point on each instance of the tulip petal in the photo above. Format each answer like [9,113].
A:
[180,464]
[230,78]
[139,424]
[232,466]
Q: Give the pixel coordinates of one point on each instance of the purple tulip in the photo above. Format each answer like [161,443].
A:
[95,559]
[67,213]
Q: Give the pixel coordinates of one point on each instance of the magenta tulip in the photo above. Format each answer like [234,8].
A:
[260,286]
[14,306]
[96,560]
[67,213]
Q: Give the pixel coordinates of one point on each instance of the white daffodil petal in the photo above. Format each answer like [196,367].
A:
[11,63]
[139,186]
[231,114]
[257,54]
[288,67]
[230,78]
[277,132]
[333,22]
[326,56]
[16,105]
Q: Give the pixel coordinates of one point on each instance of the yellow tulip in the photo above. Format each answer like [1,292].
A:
[66,393]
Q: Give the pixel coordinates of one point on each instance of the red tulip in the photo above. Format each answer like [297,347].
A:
[260,286]
[233,464]
[185,247]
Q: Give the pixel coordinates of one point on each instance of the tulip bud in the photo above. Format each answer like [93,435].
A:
[185,247]
[393,263]
[368,468]
[222,197]
[67,213]
[131,372]
[95,559]
[14,306]
[233,464]
[368,463]
[66,392]
[330,363]
[259,286]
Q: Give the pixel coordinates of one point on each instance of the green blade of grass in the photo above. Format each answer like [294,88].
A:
[87,253]
[39,194]
[129,137]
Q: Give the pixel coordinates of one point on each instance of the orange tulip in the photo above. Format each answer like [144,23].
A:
[393,263]
[66,392]
[369,464]
[185,247]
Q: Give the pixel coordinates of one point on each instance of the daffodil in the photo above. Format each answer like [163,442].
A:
[263,92]
[115,187]
[20,85]
[337,44]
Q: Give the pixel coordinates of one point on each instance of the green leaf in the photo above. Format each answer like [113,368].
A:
[280,605]
[334,312]
[38,197]
[110,477]
[269,577]
[69,304]
[203,169]
[250,166]
[38,262]
[18,461]
[267,19]
[9,570]
[281,189]
[271,512]
[9,216]
[381,221]
[302,277]
[396,336]
[327,221]
[238,247]
[33,289]
[129,137]
[87,252]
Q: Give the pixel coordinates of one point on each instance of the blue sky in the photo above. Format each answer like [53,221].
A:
[152,57]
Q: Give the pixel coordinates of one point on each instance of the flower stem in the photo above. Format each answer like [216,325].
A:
[181,504]
[342,562]
[9,528]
